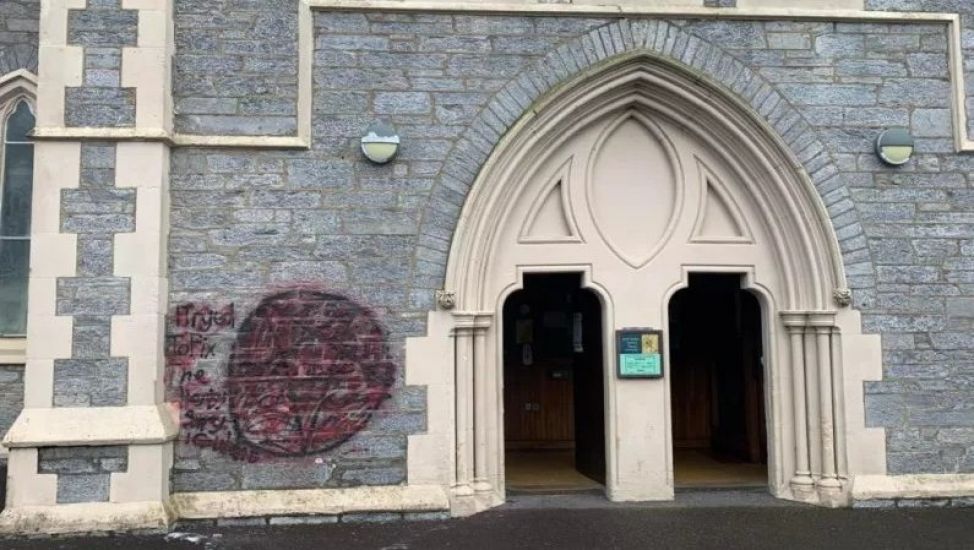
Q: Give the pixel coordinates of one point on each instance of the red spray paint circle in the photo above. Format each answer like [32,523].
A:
[306,372]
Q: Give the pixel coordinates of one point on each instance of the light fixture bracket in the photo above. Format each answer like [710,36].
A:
[380,143]
[895,146]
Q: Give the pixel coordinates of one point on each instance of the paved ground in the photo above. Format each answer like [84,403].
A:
[586,522]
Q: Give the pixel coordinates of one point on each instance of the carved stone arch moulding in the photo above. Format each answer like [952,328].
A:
[799,223]
[817,404]
[552,217]
[719,217]
[18,84]
[790,140]
[635,156]
[14,87]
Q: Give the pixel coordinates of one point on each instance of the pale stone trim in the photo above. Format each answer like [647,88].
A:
[15,86]
[54,20]
[861,360]
[61,133]
[91,426]
[655,4]
[13,351]
[234,504]
[147,70]
[804,4]
[142,257]
[249,142]
[32,488]
[40,515]
[56,131]
[60,65]
[306,52]
[783,175]
[57,166]
[85,517]
[963,142]
[622,9]
[962,138]
[803,252]
[53,133]
[148,67]
[881,487]
[147,476]
[424,357]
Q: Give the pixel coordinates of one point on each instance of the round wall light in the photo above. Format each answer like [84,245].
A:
[895,147]
[380,143]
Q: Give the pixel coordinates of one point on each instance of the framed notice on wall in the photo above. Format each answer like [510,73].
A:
[639,353]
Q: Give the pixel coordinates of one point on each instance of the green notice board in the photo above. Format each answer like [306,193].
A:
[639,353]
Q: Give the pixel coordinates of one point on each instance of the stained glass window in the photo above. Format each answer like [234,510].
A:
[17,160]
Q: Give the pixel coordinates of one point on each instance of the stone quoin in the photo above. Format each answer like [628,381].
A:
[214,306]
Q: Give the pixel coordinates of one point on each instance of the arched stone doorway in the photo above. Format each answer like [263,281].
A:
[636,175]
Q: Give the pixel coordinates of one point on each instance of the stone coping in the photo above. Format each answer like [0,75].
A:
[239,504]
[69,427]
[915,486]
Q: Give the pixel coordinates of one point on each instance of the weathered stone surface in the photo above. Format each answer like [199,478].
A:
[18,35]
[11,395]
[246,223]
[103,29]
[236,67]
[96,211]
[83,473]
[99,106]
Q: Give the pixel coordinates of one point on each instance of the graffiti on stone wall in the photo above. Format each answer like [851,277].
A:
[300,374]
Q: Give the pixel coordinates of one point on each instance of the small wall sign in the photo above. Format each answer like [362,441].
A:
[639,353]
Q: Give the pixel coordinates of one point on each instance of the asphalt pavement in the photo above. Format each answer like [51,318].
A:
[719,520]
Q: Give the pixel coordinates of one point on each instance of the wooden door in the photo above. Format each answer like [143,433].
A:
[539,404]
[716,373]
[590,391]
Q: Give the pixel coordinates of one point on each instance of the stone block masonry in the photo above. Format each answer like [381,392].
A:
[922,63]
[83,473]
[95,320]
[96,211]
[246,224]
[11,394]
[18,35]
[18,50]
[237,70]
[103,29]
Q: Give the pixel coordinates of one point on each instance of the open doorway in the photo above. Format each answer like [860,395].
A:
[717,385]
[554,411]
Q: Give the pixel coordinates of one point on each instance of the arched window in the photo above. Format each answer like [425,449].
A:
[16,177]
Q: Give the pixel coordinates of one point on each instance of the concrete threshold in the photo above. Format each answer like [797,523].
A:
[757,497]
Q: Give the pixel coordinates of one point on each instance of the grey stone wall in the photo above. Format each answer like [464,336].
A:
[18,50]
[11,395]
[236,67]
[245,223]
[922,245]
[963,7]
[96,211]
[83,473]
[103,28]
[18,35]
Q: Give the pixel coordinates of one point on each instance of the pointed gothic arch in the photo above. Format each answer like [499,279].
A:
[16,85]
[806,241]
[18,94]
[817,435]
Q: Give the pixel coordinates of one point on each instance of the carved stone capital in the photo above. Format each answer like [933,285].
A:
[446,299]
[842,297]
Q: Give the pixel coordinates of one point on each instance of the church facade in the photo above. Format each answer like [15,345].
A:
[623,233]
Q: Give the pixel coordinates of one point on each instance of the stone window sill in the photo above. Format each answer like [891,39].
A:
[13,350]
